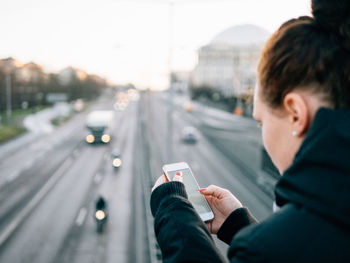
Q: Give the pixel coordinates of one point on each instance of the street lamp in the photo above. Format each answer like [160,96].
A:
[8,69]
[170,51]
[8,95]
[170,95]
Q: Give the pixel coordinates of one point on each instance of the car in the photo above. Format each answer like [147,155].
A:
[189,135]
[188,106]
[100,125]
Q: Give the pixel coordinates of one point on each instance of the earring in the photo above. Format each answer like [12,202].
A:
[294,133]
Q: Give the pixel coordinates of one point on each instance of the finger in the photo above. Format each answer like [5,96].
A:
[209,226]
[166,177]
[178,177]
[209,199]
[213,190]
[161,180]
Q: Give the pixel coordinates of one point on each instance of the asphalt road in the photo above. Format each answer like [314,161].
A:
[48,187]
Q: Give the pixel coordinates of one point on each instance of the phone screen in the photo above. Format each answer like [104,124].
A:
[197,199]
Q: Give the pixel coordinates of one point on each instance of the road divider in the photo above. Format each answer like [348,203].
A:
[81,216]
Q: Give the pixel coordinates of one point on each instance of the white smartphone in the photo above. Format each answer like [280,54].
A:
[196,198]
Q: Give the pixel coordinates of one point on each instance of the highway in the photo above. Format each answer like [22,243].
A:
[48,187]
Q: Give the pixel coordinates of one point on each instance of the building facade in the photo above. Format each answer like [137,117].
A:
[228,64]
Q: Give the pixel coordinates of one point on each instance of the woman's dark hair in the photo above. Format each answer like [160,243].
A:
[310,53]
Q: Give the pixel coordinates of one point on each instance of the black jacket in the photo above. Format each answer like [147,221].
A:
[313,224]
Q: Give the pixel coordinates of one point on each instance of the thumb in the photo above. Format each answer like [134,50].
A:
[178,177]
[213,190]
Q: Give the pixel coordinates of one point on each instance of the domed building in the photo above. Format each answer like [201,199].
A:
[228,63]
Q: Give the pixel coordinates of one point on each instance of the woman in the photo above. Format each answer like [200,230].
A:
[303,104]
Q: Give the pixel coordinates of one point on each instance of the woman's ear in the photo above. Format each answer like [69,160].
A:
[298,113]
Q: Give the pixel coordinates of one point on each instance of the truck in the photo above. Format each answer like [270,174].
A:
[99,124]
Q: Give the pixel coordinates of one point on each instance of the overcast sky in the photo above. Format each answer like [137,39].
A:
[127,41]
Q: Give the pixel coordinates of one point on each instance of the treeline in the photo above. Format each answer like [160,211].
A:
[27,85]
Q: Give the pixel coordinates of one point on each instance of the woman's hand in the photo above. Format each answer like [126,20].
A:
[222,202]
[163,179]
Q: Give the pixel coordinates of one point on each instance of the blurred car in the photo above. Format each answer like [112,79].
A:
[120,106]
[116,158]
[78,105]
[100,125]
[189,135]
[188,107]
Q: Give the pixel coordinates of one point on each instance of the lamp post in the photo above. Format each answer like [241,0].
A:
[10,66]
[170,93]
[8,95]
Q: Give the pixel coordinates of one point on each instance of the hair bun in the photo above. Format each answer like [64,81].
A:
[333,15]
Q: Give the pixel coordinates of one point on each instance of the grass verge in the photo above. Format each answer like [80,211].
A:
[9,132]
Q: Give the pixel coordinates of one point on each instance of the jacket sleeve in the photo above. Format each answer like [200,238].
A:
[181,234]
[238,219]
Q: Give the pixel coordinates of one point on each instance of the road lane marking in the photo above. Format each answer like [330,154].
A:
[76,153]
[98,178]
[12,176]
[31,205]
[81,216]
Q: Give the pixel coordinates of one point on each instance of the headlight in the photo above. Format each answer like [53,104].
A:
[117,162]
[100,214]
[106,138]
[90,138]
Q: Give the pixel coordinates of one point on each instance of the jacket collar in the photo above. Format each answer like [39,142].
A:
[319,178]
